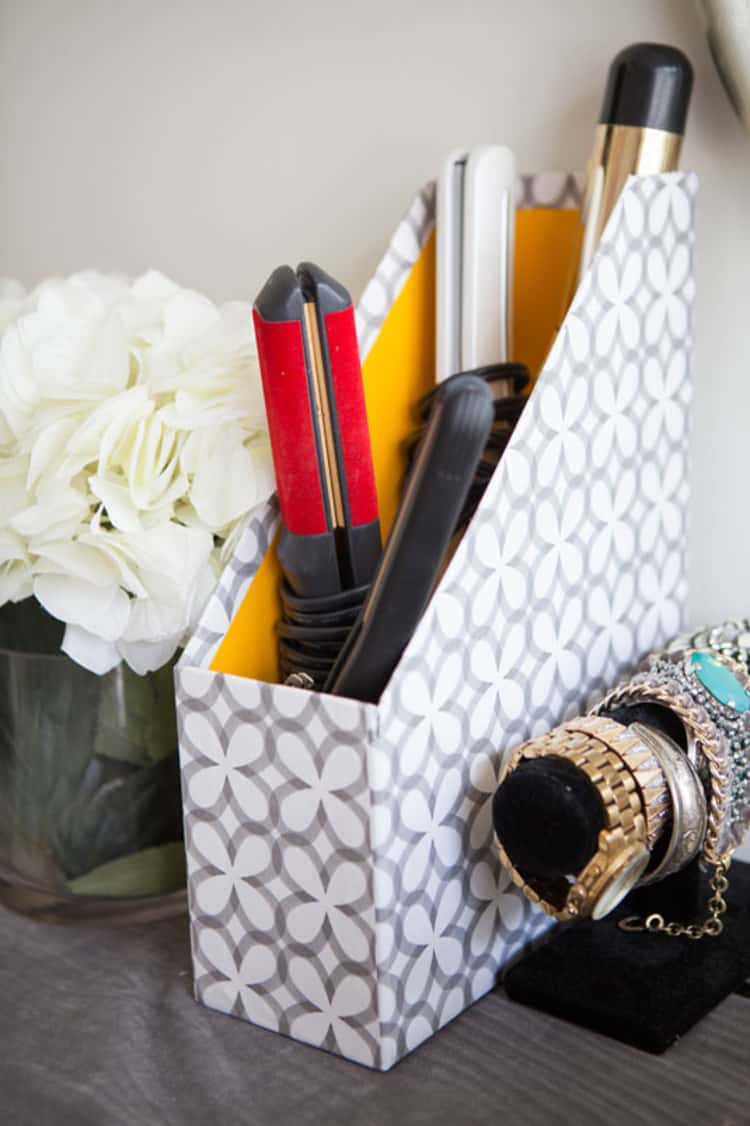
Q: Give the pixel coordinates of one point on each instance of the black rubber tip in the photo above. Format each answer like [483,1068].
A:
[547,816]
[648,86]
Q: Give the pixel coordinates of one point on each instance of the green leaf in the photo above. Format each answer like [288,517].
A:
[119,809]
[154,871]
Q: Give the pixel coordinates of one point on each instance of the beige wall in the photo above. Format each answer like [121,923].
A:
[214,139]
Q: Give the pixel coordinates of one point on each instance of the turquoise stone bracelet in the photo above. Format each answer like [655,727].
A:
[720,681]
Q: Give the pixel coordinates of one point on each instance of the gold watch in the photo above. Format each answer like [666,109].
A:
[635,802]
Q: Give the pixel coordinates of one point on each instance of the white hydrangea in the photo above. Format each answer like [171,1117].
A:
[133,442]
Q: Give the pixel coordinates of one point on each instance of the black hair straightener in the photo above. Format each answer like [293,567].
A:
[457,431]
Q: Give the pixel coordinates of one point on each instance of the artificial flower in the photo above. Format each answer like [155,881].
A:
[133,443]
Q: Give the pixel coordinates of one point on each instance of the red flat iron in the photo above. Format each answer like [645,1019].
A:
[312,384]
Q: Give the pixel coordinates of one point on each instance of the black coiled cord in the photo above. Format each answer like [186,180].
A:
[507,381]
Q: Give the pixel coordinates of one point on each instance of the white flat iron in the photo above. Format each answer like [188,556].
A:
[475,226]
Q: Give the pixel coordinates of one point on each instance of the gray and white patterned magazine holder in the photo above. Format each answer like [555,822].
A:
[342,884]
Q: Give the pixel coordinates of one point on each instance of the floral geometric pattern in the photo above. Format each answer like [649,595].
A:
[277,829]
[343,888]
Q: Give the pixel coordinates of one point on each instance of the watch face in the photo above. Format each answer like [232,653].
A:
[618,886]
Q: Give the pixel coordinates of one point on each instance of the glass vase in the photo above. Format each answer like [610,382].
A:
[90,812]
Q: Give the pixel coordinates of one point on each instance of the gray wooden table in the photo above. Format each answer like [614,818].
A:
[99,1028]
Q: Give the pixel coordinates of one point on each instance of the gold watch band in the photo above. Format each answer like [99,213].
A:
[641,761]
[622,853]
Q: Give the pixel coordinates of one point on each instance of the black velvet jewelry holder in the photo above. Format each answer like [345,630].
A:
[642,988]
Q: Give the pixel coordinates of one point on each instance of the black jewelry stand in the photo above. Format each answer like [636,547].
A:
[642,988]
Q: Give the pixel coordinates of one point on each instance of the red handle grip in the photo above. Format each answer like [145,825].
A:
[281,354]
[354,435]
